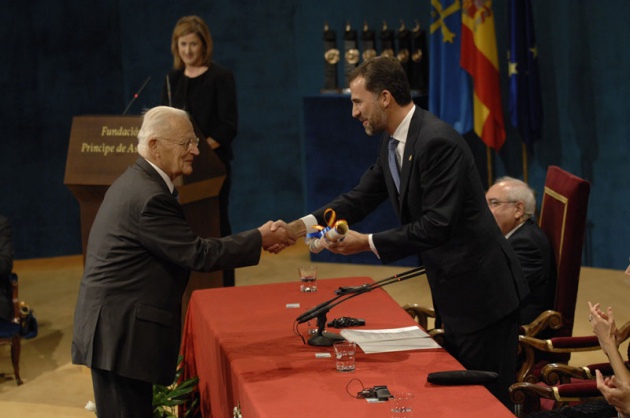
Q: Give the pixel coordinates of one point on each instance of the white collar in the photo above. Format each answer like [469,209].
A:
[400,134]
[166,178]
[509,234]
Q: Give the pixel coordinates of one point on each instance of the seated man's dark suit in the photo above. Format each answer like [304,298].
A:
[538,263]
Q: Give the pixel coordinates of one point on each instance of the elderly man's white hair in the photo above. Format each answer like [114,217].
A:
[520,191]
[158,122]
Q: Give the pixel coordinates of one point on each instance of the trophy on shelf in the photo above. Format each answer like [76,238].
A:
[387,41]
[368,40]
[419,60]
[331,58]
[404,46]
[351,52]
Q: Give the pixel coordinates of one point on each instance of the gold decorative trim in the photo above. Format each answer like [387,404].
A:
[564,200]
[559,398]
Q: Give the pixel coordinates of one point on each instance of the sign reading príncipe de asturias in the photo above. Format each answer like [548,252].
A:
[101,148]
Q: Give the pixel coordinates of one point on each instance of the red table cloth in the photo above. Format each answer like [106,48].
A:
[239,341]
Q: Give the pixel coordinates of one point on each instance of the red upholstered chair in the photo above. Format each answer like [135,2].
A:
[563,219]
[563,384]
[10,332]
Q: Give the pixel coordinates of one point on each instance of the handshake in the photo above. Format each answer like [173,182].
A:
[278,235]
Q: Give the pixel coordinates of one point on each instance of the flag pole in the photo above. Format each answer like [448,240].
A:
[489,167]
[524,162]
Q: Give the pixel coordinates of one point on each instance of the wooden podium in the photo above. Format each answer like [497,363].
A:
[100,150]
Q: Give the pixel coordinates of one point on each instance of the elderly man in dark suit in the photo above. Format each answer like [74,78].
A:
[513,204]
[431,179]
[139,256]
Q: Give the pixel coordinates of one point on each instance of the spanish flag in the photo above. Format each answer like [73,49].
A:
[479,58]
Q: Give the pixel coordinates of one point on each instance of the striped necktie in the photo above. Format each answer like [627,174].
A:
[393,162]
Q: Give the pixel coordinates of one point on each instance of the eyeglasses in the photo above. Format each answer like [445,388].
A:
[188,144]
[493,203]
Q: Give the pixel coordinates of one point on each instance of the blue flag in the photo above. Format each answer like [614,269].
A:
[450,91]
[525,108]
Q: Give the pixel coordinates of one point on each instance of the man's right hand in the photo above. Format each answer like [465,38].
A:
[276,236]
[295,230]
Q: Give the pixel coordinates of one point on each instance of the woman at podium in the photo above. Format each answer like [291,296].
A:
[207,91]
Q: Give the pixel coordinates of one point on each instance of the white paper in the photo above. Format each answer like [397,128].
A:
[392,339]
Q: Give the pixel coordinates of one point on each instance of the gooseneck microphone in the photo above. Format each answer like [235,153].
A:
[168,91]
[345,293]
[135,96]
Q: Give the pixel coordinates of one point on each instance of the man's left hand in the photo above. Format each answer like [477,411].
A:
[352,243]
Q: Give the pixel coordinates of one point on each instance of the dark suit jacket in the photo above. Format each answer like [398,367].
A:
[139,256]
[538,263]
[474,275]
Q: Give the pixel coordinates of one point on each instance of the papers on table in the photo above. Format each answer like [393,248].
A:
[388,340]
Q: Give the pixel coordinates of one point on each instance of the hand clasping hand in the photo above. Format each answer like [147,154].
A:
[276,236]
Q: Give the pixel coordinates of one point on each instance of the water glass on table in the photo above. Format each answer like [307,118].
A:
[402,405]
[308,279]
[345,355]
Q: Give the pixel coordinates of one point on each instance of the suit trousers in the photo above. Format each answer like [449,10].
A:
[117,396]
[492,349]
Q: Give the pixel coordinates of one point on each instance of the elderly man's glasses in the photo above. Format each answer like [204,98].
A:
[188,144]
[493,203]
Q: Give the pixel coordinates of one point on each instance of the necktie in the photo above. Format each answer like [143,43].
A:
[393,161]
[175,193]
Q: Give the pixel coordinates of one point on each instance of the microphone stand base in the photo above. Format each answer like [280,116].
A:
[324,339]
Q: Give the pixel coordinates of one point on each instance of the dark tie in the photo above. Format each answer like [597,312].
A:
[175,193]
[393,161]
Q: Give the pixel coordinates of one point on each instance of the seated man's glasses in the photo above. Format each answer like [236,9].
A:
[493,203]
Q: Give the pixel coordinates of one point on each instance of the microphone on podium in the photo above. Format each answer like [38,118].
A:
[344,293]
[135,96]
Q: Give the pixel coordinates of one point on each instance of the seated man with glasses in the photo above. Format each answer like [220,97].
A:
[513,204]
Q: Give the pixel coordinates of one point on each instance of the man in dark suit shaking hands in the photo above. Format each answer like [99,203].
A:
[139,256]
[431,179]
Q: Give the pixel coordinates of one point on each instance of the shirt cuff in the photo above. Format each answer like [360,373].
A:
[372,247]
[309,221]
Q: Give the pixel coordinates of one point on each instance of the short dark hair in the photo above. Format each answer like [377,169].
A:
[384,73]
